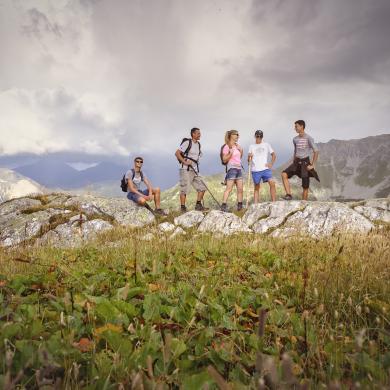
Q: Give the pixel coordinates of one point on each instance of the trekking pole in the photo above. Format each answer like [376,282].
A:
[248,183]
[207,188]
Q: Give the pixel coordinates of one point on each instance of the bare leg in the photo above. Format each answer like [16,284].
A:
[286,183]
[200,196]
[183,199]
[229,186]
[272,190]
[305,194]
[157,195]
[256,193]
[240,190]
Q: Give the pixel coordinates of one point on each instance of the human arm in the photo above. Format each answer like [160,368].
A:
[315,154]
[273,159]
[150,189]
[227,153]
[133,188]
[179,156]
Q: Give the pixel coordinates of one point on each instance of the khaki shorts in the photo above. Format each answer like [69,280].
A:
[188,178]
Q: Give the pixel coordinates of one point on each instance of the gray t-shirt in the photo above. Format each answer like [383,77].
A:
[137,179]
[193,152]
[304,145]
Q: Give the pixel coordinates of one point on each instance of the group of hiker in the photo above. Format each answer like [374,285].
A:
[261,159]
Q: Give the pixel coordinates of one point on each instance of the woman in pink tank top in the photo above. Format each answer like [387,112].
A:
[231,156]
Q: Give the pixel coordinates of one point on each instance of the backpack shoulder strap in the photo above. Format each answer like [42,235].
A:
[132,173]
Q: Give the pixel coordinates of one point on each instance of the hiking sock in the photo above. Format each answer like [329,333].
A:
[239,206]
[183,207]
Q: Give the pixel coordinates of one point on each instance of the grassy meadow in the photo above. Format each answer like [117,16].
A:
[197,312]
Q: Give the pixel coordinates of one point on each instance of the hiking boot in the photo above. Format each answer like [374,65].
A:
[159,212]
[199,207]
[183,208]
[224,207]
[287,197]
[239,206]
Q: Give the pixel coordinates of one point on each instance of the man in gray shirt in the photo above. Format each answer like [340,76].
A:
[301,166]
[188,155]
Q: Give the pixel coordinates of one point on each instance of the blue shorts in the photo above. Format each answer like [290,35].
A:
[134,196]
[258,176]
[234,174]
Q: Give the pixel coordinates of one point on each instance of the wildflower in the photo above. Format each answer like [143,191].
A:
[336,314]
[367,309]
[359,310]
[316,292]
[377,320]
[349,301]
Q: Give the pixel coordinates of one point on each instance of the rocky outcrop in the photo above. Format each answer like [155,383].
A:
[66,221]
[225,223]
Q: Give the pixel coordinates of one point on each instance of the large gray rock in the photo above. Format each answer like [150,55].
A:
[123,211]
[73,234]
[22,227]
[17,206]
[323,219]
[265,216]
[166,227]
[224,223]
[377,210]
[190,219]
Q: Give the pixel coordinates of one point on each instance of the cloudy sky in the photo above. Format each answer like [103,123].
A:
[120,76]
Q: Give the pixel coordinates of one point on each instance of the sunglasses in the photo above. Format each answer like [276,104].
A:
[139,161]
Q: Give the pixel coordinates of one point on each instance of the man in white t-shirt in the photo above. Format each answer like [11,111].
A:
[260,167]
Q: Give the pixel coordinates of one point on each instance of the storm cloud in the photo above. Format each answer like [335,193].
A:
[125,76]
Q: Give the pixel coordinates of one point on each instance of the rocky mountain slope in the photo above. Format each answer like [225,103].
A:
[64,220]
[356,169]
[14,185]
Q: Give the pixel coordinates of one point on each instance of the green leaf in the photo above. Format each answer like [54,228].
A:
[197,381]
[151,307]
[178,347]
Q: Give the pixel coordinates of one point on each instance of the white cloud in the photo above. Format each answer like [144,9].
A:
[125,76]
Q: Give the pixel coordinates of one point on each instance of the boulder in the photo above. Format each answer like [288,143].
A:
[123,211]
[72,234]
[265,216]
[190,219]
[323,219]
[166,227]
[225,223]
[376,210]
[22,227]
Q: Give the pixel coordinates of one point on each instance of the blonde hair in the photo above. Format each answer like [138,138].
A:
[228,135]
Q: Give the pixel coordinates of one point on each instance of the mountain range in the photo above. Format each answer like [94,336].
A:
[14,185]
[349,169]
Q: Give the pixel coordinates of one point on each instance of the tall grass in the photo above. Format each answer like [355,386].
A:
[196,301]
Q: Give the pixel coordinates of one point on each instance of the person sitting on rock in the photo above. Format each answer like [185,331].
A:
[301,166]
[260,167]
[231,154]
[135,177]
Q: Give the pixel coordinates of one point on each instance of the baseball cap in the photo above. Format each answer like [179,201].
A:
[258,133]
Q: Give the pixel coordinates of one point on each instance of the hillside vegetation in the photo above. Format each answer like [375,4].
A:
[197,312]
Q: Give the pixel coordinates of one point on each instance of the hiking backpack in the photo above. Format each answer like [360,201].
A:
[124,180]
[221,156]
[185,153]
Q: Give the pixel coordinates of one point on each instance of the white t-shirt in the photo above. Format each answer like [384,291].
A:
[260,156]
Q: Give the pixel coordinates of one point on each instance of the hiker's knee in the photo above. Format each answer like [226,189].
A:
[284,175]
[141,201]
[271,184]
[156,190]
